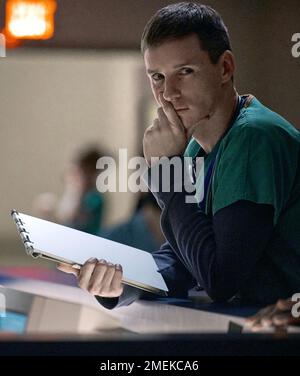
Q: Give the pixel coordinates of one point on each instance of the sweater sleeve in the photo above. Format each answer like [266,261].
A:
[221,251]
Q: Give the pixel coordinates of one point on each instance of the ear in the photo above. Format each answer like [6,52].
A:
[227,63]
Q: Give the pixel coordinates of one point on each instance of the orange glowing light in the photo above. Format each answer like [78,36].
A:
[30,19]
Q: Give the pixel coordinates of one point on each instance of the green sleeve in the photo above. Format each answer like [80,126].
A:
[255,164]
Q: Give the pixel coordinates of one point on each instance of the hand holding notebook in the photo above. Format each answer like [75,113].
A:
[98,277]
[66,245]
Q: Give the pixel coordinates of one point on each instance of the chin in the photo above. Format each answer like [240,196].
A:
[192,127]
[187,123]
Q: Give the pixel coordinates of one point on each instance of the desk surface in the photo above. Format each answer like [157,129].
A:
[160,327]
[162,315]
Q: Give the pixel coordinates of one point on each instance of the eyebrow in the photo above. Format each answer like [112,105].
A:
[149,71]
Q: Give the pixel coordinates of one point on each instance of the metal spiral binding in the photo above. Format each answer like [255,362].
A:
[23,234]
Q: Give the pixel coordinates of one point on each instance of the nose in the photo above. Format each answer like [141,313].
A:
[171,89]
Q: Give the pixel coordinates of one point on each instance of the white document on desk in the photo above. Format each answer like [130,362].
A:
[63,244]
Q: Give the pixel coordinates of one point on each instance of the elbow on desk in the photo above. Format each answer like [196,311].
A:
[220,292]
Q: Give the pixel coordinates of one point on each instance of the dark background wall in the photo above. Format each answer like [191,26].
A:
[261,32]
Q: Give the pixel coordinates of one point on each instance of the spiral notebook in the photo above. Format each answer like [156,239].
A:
[62,244]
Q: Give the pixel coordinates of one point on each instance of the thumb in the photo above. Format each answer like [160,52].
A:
[67,269]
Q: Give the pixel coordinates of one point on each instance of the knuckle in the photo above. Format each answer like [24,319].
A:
[81,284]
[107,294]
[91,289]
[280,303]
[149,130]
[120,290]
[102,291]
[89,262]
[94,291]
[156,123]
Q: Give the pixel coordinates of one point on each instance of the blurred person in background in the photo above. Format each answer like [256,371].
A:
[81,205]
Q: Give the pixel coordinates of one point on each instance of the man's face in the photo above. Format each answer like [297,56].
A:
[185,75]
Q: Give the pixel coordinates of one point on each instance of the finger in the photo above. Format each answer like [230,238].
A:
[250,322]
[285,319]
[256,328]
[116,285]
[86,273]
[252,319]
[266,320]
[155,125]
[67,269]
[255,320]
[106,281]
[163,122]
[170,112]
[64,268]
[285,304]
[162,119]
[97,277]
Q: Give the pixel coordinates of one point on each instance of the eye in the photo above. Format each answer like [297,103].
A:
[186,71]
[157,77]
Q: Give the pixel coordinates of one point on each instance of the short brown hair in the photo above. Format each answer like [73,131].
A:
[181,19]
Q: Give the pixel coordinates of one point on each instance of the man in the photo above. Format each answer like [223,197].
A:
[243,239]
